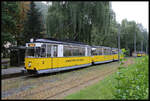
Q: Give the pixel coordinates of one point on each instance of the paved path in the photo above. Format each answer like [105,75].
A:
[12,70]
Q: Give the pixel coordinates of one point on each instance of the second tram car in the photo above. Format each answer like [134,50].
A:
[101,54]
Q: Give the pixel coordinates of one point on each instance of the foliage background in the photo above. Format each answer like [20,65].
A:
[92,23]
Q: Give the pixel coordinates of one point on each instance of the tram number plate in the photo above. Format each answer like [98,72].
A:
[31,45]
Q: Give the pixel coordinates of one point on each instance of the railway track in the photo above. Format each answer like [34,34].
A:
[48,91]
[94,78]
[70,82]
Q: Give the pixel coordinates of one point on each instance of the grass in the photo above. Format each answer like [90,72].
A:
[100,90]
[104,89]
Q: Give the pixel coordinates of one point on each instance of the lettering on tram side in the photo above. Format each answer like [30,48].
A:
[74,60]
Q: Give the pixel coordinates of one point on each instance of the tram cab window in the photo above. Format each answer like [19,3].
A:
[29,52]
[35,52]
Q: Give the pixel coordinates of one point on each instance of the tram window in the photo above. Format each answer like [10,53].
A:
[67,51]
[43,52]
[82,51]
[74,51]
[94,51]
[37,52]
[97,51]
[115,52]
[48,50]
[106,51]
[109,52]
[100,51]
[55,50]
[89,51]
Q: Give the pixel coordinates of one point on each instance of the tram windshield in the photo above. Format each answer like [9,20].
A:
[35,52]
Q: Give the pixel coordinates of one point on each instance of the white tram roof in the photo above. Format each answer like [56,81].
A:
[140,52]
[59,42]
[114,48]
[105,47]
[101,47]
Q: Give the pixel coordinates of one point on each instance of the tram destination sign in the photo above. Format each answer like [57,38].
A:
[31,45]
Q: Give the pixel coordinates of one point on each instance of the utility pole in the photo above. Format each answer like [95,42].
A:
[141,46]
[135,44]
[146,50]
[119,43]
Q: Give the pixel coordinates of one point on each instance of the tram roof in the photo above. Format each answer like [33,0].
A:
[100,47]
[140,52]
[60,42]
[114,48]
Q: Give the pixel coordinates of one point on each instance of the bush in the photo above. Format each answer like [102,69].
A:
[133,83]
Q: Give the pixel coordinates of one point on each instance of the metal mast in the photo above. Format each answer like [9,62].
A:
[119,43]
[135,43]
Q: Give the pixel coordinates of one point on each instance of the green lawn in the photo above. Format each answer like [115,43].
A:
[100,90]
[104,89]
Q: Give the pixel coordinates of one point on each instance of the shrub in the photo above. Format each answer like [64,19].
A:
[133,83]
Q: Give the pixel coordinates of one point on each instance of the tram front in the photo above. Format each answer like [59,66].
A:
[36,57]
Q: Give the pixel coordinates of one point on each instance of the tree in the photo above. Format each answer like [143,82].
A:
[93,23]
[33,27]
[10,12]
[78,20]
[23,8]
[128,31]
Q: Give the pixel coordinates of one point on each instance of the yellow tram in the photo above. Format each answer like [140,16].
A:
[139,54]
[46,56]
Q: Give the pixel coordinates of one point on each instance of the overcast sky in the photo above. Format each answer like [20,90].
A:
[137,11]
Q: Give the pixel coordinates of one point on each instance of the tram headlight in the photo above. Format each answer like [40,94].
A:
[29,65]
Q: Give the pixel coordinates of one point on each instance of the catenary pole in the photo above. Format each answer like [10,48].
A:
[135,43]
[119,43]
